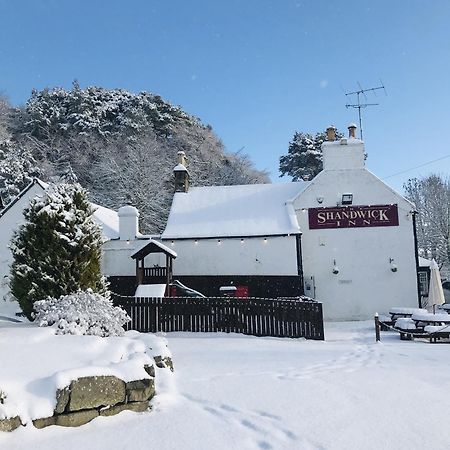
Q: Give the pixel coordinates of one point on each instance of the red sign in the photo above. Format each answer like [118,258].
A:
[353,217]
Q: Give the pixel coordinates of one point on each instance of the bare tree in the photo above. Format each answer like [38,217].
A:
[137,173]
[431,195]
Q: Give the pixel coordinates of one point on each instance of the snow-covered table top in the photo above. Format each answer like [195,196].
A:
[406,311]
[405,323]
[431,318]
[437,328]
[445,307]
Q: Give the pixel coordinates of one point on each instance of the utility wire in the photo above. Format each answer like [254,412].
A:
[417,167]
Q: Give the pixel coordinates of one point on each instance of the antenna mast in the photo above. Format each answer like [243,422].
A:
[358,105]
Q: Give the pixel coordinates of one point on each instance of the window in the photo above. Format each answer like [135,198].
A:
[423,282]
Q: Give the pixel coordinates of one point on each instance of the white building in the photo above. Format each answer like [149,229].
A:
[345,238]
[358,239]
[118,264]
[246,235]
[11,217]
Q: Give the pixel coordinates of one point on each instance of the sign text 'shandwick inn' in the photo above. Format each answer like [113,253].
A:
[353,216]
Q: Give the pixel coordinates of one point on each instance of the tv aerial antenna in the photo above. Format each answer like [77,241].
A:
[358,105]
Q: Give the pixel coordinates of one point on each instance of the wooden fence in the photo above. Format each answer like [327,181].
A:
[255,316]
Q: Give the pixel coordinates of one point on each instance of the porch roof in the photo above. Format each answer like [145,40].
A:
[153,247]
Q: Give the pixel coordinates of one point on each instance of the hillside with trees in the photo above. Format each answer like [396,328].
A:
[120,146]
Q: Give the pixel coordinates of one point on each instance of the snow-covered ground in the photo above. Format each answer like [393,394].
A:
[8,308]
[235,391]
[34,363]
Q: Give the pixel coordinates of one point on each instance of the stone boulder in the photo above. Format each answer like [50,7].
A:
[93,392]
[140,390]
[10,424]
[135,406]
[164,362]
[76,419]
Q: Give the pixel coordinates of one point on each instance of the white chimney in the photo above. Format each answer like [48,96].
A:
[128,223]
[345,153]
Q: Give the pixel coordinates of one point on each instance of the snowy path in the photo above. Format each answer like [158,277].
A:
[242,392]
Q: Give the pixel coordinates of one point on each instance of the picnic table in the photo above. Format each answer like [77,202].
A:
[436,326]
[407,328]
[445,307]
[436,332]
[422,319]
[397,313]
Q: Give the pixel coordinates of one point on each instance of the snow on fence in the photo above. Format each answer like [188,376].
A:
[292,318]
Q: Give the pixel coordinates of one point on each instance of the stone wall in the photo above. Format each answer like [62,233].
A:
[89,397]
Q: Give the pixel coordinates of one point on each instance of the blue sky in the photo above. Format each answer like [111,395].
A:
[256,70]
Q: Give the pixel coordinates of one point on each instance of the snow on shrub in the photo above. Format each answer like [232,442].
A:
[84,312]
[57,250]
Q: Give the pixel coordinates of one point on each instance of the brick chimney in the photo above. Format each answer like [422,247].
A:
[331,133]
[181,174]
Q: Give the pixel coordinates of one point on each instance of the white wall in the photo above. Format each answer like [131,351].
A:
[10,222]
[253,256]
[117,261]
[365,284]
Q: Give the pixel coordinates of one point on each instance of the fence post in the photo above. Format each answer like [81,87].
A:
[377,328]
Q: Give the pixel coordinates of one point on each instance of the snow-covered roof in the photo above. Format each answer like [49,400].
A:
[180,168]
[105,217]
[22,193]
[234,211]
[150,290]
[108,219]
[423,262]
[151,246]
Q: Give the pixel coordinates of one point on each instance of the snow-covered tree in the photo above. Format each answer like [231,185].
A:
[98,110]
[82,313]
[123,146]
[57,250]
[304,158]
[431,195]
[17,170]
[17,165]
[5,109]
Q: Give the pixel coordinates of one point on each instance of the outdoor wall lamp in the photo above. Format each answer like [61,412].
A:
[347,199]
[335,268]
[394,267]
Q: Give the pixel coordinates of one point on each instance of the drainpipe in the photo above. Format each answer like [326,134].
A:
[416,252]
